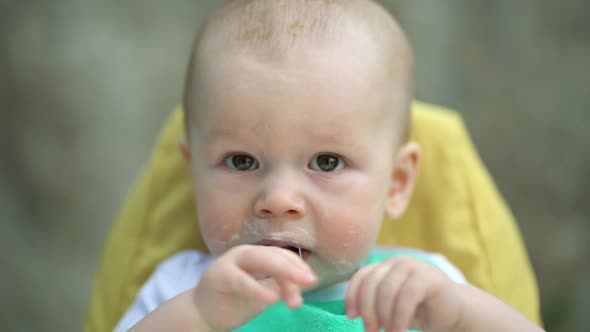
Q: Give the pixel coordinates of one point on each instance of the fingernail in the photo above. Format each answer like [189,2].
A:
[373,327]
[295,301]
[351,313]
[310,277]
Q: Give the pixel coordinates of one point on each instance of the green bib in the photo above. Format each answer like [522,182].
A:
[324,316]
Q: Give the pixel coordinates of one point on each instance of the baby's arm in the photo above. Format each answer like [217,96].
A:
[404,292]
[484,312]
[233,290]
[176,314]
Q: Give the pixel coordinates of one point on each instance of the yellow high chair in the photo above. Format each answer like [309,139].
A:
[456,210]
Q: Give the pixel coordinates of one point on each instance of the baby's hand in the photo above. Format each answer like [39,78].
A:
[245,280]
[403,292]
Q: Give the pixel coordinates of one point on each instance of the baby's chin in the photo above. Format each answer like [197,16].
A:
[332,273]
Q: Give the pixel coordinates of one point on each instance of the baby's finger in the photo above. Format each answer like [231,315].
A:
[351,299]
[367,296]
[294,259]
[290,293]
[272,262]
[410,296]
[388,293]
[244,284]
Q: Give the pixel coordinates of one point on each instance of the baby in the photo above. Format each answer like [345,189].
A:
[297,117]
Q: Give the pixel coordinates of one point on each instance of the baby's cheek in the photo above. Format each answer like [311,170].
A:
[349,237]
[218,228]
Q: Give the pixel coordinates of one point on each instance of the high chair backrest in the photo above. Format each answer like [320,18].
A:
[456,210]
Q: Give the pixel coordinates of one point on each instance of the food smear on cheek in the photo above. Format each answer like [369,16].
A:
[220,237]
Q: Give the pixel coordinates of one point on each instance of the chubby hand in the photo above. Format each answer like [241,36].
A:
[403,292]
[245,280]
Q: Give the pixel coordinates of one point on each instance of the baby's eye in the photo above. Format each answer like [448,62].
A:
[326,162]
[241,162]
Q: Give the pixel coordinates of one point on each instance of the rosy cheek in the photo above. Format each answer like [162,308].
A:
[219,226]
[347,239]
[217,240]
[350,227]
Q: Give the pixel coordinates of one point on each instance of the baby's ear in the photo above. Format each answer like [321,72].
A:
[403,179]
[184,149]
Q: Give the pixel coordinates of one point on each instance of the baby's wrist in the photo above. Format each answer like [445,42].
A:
[200,322]
[465,297]
[448,309]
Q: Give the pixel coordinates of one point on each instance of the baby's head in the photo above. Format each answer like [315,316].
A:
[297,116]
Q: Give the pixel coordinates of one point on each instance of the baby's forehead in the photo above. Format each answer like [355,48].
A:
[278,31]
[327,79]
[324,100]
[271,121]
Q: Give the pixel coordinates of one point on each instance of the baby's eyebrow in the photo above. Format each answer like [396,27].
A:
[224,133]
[339,136]
[218,132]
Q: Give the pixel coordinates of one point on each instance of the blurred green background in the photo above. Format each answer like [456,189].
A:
[85,86]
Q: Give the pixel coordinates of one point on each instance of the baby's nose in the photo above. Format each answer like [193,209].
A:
[279,206]
[280,201]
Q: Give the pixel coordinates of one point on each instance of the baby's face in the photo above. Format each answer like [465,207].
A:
[295,155]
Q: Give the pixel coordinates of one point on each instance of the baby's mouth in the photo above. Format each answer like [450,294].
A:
[288,245]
